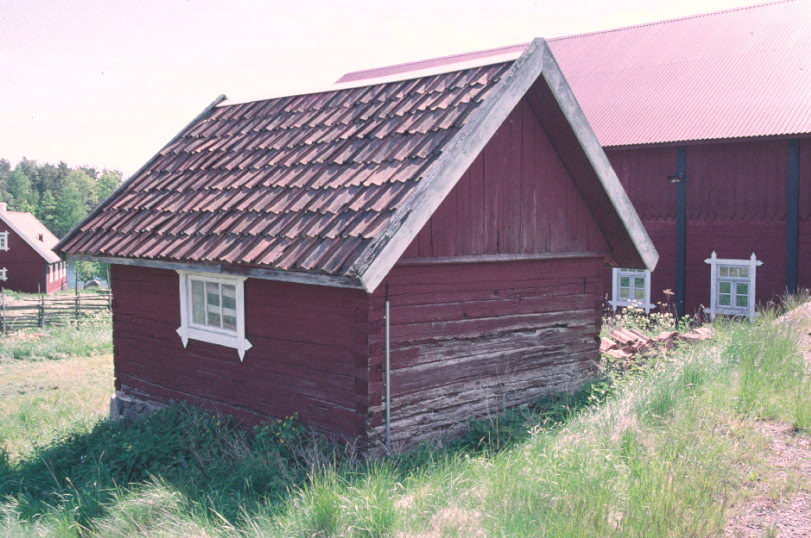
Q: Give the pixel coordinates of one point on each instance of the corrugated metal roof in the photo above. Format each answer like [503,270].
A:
[300,183]
[739,73]
[33,232]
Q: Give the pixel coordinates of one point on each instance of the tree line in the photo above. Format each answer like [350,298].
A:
[60,196]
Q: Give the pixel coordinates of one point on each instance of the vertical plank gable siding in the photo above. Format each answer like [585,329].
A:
[469,339]
[308,356]
[516,198]
[736,205]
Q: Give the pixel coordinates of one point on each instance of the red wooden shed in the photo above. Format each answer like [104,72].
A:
[707,122]
[27,260]
[254,255]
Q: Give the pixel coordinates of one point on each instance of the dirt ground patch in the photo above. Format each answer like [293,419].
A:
[779,502]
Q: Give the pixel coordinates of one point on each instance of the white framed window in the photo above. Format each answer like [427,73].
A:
[3,240]
[212,309]
[50,273]
[631,287]
[732,286]
[3,273]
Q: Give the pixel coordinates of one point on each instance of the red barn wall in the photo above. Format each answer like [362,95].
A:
[736,205]
[804,256]
[26,268]
[308,357]
[469,339]
[516,198]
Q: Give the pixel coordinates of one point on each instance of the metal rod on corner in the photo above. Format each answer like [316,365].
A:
[388,375]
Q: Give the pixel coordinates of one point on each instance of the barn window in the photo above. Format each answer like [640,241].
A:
[212,309]
[631,287]
[3,240]
[732,285]
[3,273]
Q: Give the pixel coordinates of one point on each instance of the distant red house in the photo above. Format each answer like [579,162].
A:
[27,260]
[447,231]
[707,122]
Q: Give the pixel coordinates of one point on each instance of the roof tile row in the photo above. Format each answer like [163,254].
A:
[296,183]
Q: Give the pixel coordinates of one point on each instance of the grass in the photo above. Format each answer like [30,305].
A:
[663,452]
[53,343]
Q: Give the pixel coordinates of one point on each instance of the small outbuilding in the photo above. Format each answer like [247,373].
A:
[27,260]
[446,230]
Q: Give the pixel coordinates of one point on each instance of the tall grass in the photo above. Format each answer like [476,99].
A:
[663,452]
[93,337]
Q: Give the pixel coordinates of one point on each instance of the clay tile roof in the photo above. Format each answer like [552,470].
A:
[738,73]
[33,232]
[295,183]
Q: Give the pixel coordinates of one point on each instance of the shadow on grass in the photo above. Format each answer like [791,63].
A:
[218,466]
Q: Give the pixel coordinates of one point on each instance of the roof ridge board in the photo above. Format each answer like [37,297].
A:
[676,19]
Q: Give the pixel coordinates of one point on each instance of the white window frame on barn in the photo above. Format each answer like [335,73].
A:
[730,281]
[206,321]
[3,273]
[3,240]
[617,289]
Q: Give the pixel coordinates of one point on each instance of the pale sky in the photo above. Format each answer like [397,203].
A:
[107,83]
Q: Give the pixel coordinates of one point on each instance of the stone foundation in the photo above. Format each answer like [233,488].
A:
[129,404]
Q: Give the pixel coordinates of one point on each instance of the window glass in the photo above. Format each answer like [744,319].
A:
[213,302]
[229,305]
[198,302]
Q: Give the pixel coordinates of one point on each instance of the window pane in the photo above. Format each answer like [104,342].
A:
[744,272]
[724,300]
[639,283]
[625,281]
[639,294]
[742,288]
[742,300]
[229,320]
[229,296]
[625,293]
[733,271]
[725,287]
[198,302]
[213,301]
[724,270]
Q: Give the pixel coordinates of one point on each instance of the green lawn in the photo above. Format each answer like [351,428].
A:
[664,450]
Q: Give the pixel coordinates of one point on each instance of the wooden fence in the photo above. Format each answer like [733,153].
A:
[42,310]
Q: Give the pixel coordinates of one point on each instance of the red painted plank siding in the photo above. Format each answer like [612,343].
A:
[737,181]
[643,173]
[804,256]
[27,271]
[468,339]
[736,205]
[308,354]
[516,198]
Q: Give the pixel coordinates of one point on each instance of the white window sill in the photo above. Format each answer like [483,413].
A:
[223,339]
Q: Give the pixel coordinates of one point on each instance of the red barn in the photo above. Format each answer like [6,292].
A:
[707,122]
[255,257]
[27,260]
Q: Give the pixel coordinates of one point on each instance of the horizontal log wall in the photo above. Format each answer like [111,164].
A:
[308,355]
[470,339]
